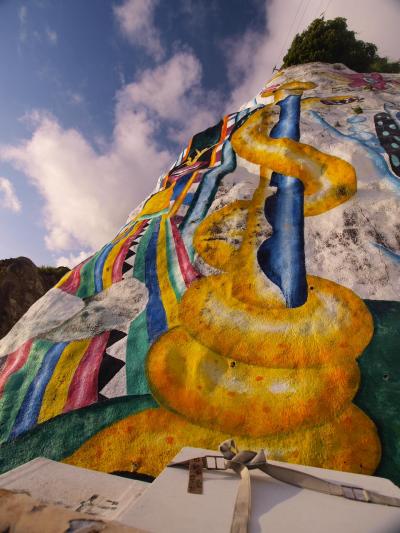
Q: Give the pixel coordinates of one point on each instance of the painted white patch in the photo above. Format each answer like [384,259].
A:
[117,386]
[113,308]
[118,349]
[50,311]
[279,387]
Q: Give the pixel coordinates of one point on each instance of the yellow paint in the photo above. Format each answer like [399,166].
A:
[328,181]
[178,202]
[223,135]
[219,232]
[149,440]
[158,203]
[195,158]
[56,393]
[332,326]
[242,363]
[309,103]
[236,362]
[109,262]
[63,279]
[216,391]
[290,87]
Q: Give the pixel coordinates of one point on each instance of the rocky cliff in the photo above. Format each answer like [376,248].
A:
[21,284]
[254,295]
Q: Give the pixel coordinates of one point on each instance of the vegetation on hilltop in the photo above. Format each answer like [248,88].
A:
[330,41]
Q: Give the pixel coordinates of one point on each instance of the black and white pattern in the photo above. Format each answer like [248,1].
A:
[129,261]
[112,374]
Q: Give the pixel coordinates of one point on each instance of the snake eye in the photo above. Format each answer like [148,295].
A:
[232,364]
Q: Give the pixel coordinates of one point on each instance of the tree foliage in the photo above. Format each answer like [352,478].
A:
[330,41]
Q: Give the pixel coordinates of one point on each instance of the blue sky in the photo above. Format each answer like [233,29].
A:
[97,97]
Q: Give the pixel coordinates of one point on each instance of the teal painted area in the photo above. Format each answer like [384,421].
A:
[136,352]
[174,272]
[379,392]
[18,385]
[86,285]
[61,436]
[138,268]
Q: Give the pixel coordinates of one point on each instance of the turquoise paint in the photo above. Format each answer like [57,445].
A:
[379,392]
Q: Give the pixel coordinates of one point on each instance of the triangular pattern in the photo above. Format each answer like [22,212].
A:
[126,267]
[130,256]
[112,375]
[115,336]
[108,368]
[116,386]
[118,349]
[131,260]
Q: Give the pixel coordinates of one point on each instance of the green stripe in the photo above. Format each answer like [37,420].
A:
[61,436]
[86,285]
[136,352]
[18,385]
[173,265]
[139,265]
[379,392]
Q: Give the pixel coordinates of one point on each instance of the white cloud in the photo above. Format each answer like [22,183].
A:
[52,36]
[71,260]
[251,58]
[25,30]
[88,193]
[8,198]
[136,21]
[75,98]
[173,92]
[23,21]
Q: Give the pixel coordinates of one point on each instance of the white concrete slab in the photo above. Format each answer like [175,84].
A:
[75,488]
[276,507]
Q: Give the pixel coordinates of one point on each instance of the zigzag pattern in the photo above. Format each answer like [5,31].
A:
[130,257]
[112,374]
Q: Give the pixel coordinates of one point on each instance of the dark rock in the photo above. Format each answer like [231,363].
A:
[21,284]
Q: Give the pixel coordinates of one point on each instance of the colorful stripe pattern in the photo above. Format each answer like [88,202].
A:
[42,379]
[108,266]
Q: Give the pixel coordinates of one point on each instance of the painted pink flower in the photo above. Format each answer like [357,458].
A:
[370,79]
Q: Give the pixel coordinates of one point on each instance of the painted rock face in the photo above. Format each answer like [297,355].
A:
[255,296]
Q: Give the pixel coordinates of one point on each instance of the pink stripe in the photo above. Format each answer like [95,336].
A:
[14,362]
[119,260]
[72,283]
[188,272]
[83,388]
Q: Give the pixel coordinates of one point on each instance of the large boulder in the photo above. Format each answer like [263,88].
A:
[255,295]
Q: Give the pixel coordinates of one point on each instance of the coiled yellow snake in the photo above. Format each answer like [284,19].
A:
[244,364]
[241,363]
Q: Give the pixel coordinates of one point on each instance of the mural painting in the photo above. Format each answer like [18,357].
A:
[254,295]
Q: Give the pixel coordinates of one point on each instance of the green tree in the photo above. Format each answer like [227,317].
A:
[330,41]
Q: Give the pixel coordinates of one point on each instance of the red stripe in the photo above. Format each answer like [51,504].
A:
[14,362]
[83,388]
[119,260]
[72,283]
[188,272]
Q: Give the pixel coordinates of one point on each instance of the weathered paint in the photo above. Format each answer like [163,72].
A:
[252,317]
